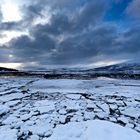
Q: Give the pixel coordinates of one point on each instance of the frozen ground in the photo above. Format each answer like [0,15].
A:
[40,109]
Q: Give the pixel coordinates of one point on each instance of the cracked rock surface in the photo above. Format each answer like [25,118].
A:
[33,108]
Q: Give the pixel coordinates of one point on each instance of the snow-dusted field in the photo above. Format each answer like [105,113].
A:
[64,109]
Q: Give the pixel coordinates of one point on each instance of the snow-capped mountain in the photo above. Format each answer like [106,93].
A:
[124,67]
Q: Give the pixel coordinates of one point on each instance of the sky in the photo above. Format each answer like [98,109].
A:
[43,34]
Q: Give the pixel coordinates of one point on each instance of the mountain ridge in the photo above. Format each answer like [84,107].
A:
[123,67]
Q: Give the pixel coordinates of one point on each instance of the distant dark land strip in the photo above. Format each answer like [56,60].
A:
[51,75]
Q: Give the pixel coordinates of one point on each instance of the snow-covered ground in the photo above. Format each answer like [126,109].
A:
[64,109]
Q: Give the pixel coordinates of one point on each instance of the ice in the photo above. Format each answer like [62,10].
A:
[8,134]
[13,103]
[130,125]
[123,119]
[97,130]
[104,107]
[113,106]
[40,129]
[73,96]
[39,109]
[138,128]
[44,106]
[132,111]
[113,119]
[4,109]
[103,86]
[62,85]
[34,137]
[10,120]
[62,111]
[12,96]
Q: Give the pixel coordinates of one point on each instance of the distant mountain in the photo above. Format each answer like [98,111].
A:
[120,71]
[127,68]
[2,69]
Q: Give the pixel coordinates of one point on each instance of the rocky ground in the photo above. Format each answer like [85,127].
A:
[32,108]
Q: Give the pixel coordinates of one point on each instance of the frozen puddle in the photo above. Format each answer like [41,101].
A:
[40,109]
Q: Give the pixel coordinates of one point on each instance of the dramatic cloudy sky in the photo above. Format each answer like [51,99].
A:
[38,34]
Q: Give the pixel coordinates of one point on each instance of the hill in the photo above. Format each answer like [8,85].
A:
[2,69]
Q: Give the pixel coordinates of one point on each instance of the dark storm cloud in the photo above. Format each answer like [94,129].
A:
[83,47]
[61,23]
[75,12]
[43,45]
[26,49]
[130,41]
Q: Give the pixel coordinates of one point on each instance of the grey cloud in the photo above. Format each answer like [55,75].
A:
[0,15]
[43,45]
[133,9]
[2,36]
[87,46]
[99,44]
[76,18]
[90,13]
[8,26]
[26,49]
[129,44]
[131,40]
[30,12]
[4,53]
[78,49]
[96,45]
[61,23]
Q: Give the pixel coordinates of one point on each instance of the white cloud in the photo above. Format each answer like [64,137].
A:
[10,11]
[8,35]
[11,65]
